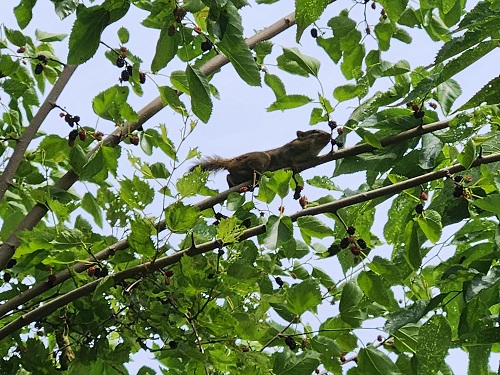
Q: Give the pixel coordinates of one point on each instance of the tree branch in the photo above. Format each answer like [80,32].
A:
[22,145]
[212,201]
[160,263]
[62,276]
[38,212]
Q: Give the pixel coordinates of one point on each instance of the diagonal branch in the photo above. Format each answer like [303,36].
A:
[38,212]
[62,276]
[29,133]
[160,263]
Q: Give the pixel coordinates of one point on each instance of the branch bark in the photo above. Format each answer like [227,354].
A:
[29,133]
[137,271]
[38,212]
[212,201]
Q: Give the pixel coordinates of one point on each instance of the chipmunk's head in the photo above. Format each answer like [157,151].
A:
[316,139]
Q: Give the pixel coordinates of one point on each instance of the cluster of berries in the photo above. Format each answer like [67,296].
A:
[79,132]
[335,142]
[40,67]
[460,190]
[127,72]
[419,208]
[97,272]
[354,244]
[290,342]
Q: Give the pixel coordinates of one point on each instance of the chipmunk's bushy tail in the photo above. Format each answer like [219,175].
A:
[211,163]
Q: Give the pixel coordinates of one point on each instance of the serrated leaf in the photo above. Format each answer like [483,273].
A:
[24,12]
[412,246]
[394,8]
[311,226]
[377,289]
[400,318]
[236,50]
[170,97]
[64,8]
[306,12]
[347,92]
[489,203]
[373,362]
[489,94]
[77,158]
[276,84]
[307,63]
[468,154]
[434,340]
[289,102]
[46,37]
[123,35]
[90,204]
[166,48]
[303,297]
[353,59]
[430,223]
[446,94]
[331,47]
[278,231]
[384,31]
[349,299]
[88,27]
[140,237]
[288,363]
[180,218]
[201,102]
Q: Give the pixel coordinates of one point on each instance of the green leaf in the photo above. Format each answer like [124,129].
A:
[171,97]
[384,31]
[446,94]
[166,48]
[140,237]
[90,204]
[331,47]
[353,59]
[279,182]
[349,299]
[434,340]
[311,226]
[468,155]
[289,102]
[137,193]
[88,27]
[412,246]
[180,218]
[24,12]
[191,184]
[46,37]
[377,289]
[201,102]
[94,165]
[400,318]
[111,103]
[346,92]
[489,94]
[278,231]
[123,35]
[306,63]
[394,8]
[236,50]
[288,363]
[430,223]
[373,362]
[77,159]
[166,144]
[303,297]
[306,12]
[317,116]
[489,203]
[479,283]
[15,37]
[275,83]
[64,8]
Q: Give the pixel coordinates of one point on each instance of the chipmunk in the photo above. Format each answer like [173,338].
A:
[243,168]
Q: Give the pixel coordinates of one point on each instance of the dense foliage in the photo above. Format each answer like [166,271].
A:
[100,261]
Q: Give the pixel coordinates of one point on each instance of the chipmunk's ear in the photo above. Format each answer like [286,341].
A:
[300,134]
